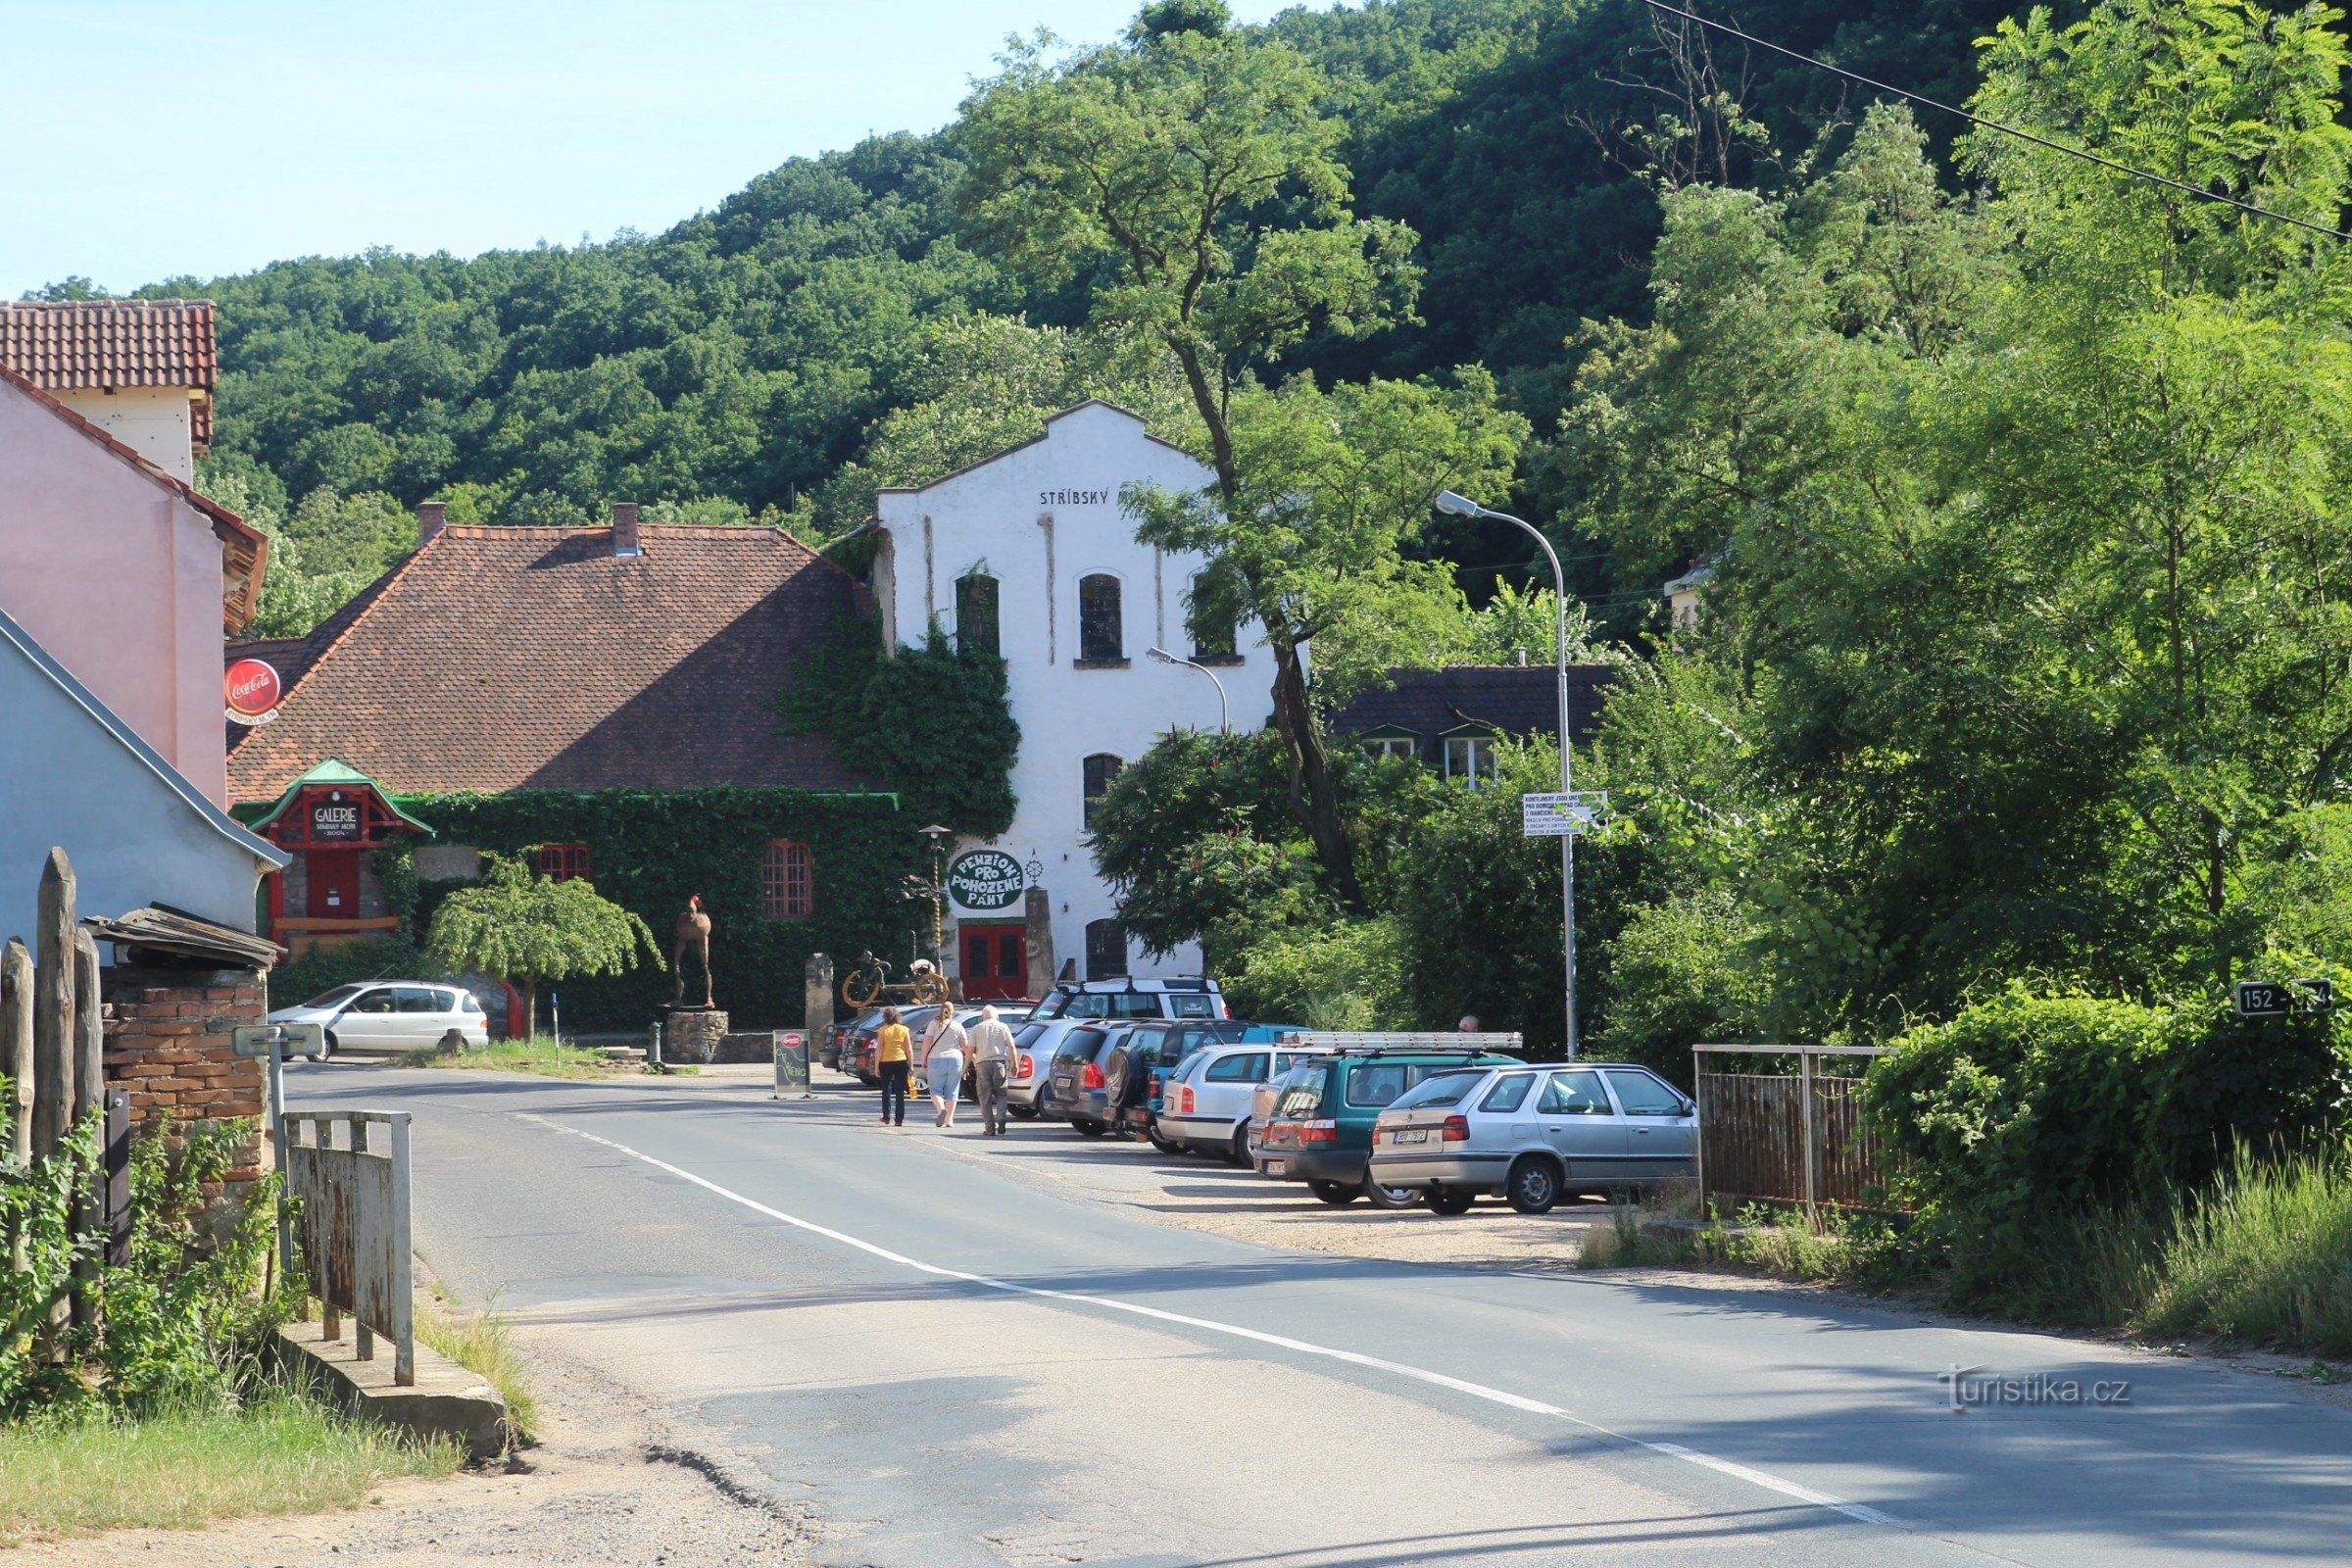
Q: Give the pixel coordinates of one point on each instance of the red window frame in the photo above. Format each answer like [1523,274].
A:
[563,863]
[787,880]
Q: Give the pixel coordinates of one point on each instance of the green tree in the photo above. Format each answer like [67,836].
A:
[521,928]
[1190,180]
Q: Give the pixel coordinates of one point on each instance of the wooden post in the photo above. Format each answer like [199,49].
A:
[53,1008]
[89,1095]
[1804,1079]
[15,1046]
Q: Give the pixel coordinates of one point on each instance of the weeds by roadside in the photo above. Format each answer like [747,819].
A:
[179,1465]
[537,1055]
[481,1343]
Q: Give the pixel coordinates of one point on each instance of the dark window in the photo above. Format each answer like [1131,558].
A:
[1242,1067]
[414,998]
[976,615]
[1470,758]
[1211,641]
[1106,951]
[1375,1084]
[563,863]
[1574,1094]
[1509,1093]
[1096,772]
[1640,1095]
[1101,637]
[787,885]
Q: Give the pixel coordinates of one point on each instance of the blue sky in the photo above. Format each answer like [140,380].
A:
[177,139]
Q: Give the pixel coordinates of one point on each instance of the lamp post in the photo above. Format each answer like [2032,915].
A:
[938,836]
[1463,507]
[1160,655]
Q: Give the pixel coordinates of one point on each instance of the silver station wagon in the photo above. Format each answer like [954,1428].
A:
[1532,1132]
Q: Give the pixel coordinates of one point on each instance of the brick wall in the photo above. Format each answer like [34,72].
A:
[167,1043]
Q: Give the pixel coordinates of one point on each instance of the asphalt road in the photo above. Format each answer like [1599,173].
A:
[952,1365]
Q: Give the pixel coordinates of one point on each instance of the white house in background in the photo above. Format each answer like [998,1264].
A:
[1031,550]
[75,776]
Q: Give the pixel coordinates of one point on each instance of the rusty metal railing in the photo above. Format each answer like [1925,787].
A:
[354,1226]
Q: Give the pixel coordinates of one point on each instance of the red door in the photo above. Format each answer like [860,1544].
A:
[996,961]
[333,876]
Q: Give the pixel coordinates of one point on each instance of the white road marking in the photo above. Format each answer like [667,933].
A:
[1754,1477]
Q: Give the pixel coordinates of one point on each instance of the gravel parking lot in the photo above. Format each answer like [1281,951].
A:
[1203,1193]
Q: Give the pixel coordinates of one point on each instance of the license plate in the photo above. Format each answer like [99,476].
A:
[1062,1083]
[1409,1134]
[1278,1167]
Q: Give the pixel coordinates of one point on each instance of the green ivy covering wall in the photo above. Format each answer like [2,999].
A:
[648,849]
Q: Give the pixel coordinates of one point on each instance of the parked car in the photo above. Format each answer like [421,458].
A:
[1077,1004]
[1320,1130]
[1207,1107]
[1137,1069]
[858,1047]
[393,1015]
[1077,1091]
[1535,1133]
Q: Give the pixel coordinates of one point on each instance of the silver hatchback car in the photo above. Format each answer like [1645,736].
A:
[1532,1132]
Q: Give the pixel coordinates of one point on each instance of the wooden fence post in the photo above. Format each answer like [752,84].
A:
[53,1008]
[89,1095]
[15,1046]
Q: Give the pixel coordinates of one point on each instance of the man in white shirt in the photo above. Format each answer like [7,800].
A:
[992,1067]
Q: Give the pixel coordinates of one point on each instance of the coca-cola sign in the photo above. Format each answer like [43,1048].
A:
[252,689]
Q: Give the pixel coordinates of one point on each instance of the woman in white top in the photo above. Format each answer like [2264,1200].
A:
[943,1064]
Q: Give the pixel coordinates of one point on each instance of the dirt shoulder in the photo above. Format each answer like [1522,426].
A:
[610,1481]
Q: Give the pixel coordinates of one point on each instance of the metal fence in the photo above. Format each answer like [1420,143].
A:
[1796,1138]
[354,1225]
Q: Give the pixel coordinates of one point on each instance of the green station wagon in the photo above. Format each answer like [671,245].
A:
[1319,1130]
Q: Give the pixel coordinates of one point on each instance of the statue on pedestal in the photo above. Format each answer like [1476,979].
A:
[693,937]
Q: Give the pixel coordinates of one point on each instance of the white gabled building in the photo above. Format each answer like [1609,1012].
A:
[1034,544]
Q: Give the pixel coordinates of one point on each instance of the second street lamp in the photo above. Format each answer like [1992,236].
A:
[1461,505]
[1160,655]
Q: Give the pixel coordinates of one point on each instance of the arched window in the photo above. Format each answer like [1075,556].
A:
[1098,771]
[1212,643]
[563,863]
[787,882]
[1106,950]
[976,615]
[1101,638]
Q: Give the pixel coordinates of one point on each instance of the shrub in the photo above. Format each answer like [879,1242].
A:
[326,968]
[1342,975]
[2266,1257]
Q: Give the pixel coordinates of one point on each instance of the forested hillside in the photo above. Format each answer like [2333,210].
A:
[737,361]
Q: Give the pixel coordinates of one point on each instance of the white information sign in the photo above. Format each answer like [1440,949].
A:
[1559,814]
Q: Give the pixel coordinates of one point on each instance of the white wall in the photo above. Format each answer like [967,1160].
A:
[1037,519]
[67,780]
[154,421]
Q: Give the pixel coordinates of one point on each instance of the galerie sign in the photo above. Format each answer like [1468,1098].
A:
[334,820]
[986,879]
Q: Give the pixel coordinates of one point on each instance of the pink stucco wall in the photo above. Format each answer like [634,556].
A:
[120,579]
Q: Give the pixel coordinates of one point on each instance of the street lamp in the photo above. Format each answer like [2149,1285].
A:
[1160,655]
[938,835]
[1461,505]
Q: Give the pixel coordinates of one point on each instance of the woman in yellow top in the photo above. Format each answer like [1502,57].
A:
[894,1051]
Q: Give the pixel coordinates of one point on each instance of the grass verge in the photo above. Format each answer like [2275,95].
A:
[2262,1257]
[540,1053]
[278,1453]
[481,1343]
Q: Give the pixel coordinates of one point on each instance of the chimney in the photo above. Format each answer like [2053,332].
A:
[429,517]
[624,530]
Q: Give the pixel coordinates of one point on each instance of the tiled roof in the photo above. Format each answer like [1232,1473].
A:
[500,659]
[67,345]
[245,549]
[1518,700]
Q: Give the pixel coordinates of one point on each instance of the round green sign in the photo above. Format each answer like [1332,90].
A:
[986,879]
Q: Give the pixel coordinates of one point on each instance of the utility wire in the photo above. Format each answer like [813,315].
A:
[1994,124]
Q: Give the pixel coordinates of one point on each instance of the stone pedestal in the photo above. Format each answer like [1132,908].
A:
[691,1035]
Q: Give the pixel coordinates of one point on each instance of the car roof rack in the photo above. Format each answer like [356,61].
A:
[1372,1040]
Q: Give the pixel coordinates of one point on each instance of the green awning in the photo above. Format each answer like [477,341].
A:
[332,771]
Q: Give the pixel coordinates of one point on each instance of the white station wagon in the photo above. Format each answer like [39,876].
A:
[393,1015]
[1532,1132]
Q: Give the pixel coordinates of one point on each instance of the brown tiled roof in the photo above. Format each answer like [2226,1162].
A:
[501,659]
[67,345]
[244,549]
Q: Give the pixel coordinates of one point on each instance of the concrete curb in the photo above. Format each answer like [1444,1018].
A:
[445,1402]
